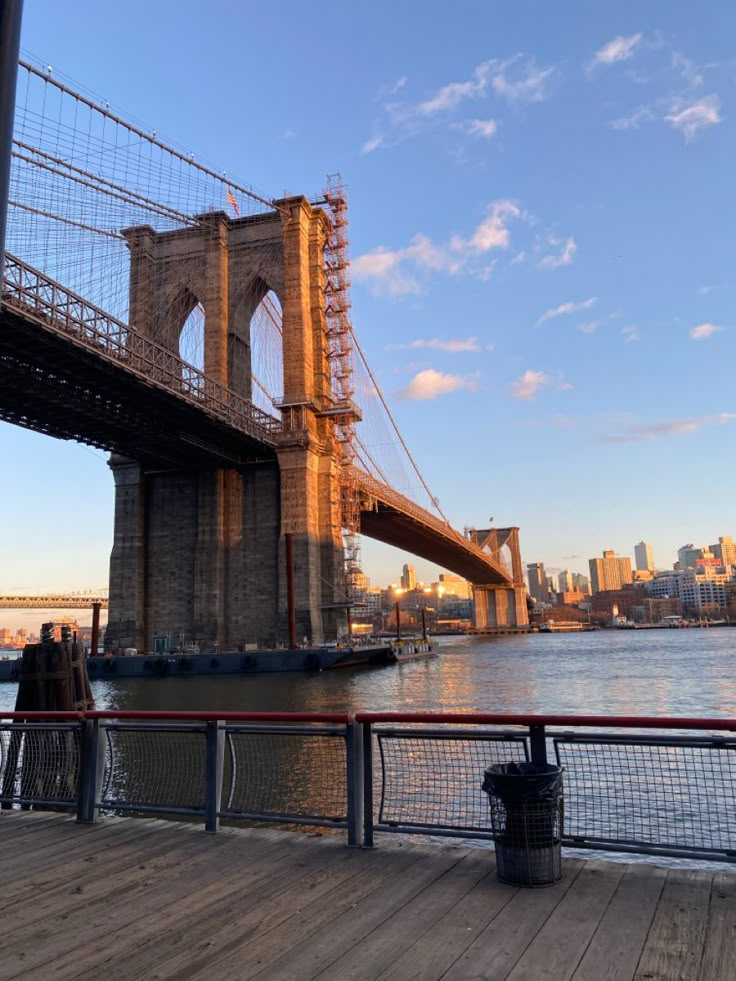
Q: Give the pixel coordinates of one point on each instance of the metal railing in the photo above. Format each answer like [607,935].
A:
[662,786]
[30,293]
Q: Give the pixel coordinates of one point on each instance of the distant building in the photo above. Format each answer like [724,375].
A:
[565,581]
[537,582]
[725,550]
[570,597]
[618,602]
[643,555]
[408,577]
[690,557]
[580,583]
[453,586]
[699,591]
[610,572]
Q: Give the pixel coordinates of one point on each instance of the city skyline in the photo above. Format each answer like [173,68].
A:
[487,285]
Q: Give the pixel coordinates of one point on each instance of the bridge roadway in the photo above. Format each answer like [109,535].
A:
[147,899]
[70,370]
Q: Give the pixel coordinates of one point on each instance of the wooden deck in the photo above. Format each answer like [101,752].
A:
[150,899]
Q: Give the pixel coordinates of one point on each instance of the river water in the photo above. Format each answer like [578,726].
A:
[609,672]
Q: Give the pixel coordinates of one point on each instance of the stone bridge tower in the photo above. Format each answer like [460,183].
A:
[501,606]
[198,552]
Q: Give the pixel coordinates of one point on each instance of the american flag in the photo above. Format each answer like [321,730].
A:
[233,203]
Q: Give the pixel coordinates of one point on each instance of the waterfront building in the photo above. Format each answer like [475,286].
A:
[651,610]
[618,602]
[408,577]
[570,597]
[699,591]
[537,581]
[610,572]
[725,550]
[643,555]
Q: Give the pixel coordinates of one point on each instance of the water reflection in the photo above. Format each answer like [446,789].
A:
[667,672]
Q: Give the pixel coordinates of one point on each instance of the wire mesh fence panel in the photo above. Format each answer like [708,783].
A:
[434,780]
[154,767]
[678,795]
[295,774]
[39,763]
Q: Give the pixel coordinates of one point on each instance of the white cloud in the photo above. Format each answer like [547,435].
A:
[454,345]
[517,80]
[564,258]
[703,331]
[691,119]
[430,384]
[644,114]
[629,333]
[563,308]
[590,327]
[381,271]
[529,384]
[687,68]
[397,86]
[493,233]
[484,128]
[372,144]
[648,432]
[620,49]
[385,270]
[528,84]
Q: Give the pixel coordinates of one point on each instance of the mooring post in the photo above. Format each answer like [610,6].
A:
[215,758]
[95,638]
[11,12]
[398,621]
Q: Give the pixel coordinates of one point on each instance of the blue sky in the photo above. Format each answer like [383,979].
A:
[541,225]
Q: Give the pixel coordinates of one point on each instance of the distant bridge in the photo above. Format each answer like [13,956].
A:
[53,601]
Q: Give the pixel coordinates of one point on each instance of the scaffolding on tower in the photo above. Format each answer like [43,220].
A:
[340,347]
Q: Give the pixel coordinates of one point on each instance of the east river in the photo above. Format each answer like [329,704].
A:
[611,672]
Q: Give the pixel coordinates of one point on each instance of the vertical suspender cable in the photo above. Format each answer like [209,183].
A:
[11,12]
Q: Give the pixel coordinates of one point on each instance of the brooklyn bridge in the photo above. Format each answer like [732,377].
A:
[201,333]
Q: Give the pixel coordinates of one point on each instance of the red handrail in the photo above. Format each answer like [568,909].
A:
[603,721]
[341,718]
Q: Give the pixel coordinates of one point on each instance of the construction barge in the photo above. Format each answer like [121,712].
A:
[181,664]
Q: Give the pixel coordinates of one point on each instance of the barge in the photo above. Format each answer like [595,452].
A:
[237,662]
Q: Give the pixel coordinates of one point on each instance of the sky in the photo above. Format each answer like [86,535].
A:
[541,209]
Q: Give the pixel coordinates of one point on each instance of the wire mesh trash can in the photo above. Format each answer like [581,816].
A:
[526,817]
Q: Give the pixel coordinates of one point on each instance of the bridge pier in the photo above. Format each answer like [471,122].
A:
[500,606]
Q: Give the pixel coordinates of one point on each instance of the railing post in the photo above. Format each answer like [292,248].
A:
[91,770]
[215,757]
[538,745]
[367,785]
[354,740]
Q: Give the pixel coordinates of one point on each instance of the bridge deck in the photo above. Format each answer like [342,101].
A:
[160,900]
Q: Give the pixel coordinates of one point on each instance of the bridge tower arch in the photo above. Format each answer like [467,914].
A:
[501,606]
[199,555]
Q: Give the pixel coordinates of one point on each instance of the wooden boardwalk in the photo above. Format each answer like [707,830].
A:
[129,899]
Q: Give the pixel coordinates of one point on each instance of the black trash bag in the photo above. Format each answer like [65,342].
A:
[518,784]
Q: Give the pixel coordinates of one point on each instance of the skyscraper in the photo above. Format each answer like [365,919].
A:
[725,550]
[610,572]
[408,577]
[643,553]
[537,581]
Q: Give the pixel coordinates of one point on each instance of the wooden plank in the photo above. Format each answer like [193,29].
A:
[614,951]
[719,956]
[674,947]
[433,952]
[316,943]
[247,939]
[494,952]
[557,949]
[198,873]
[198,887]
[384,945]
[86,878]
